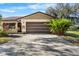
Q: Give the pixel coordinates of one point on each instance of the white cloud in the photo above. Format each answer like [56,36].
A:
[40,6]
[31,7]
[7,10]
[49,5]
[12,9]
[17,8]
[35,6]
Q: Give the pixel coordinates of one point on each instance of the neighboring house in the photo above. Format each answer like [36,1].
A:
[33,23]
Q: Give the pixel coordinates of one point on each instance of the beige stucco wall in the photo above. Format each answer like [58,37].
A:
[34,18]
[38,17]
[23,25]
[8,21]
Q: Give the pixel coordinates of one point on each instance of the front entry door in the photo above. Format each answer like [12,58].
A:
[19,27]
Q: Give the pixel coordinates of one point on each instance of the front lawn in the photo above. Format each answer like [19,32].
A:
[72,36]
[4,40]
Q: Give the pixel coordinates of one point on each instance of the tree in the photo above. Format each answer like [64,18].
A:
[0,22]
[2,33]
[51,11]
[76,7]
[62,10]
[0,19]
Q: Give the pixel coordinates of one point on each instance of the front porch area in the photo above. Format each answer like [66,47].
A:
[10,27]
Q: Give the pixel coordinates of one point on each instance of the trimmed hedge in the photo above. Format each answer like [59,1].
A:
[2,33]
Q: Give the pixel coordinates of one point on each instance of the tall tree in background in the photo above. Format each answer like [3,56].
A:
[0,17]
[76,7]
[0,22]
[62,9]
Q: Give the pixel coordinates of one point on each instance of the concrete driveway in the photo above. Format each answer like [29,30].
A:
[31,37]
[38,45]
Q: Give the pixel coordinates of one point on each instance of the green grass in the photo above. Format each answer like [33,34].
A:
[4,40]
[73,34]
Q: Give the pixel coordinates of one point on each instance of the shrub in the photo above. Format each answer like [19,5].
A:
[59,26]
[4,40]
[2,33]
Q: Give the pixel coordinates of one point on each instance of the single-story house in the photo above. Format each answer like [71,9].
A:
[33,23]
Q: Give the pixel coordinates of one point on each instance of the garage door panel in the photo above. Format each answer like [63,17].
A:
[37,31]
[37,27]
[37,22]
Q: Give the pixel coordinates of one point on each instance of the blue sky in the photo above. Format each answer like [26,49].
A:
[22,9]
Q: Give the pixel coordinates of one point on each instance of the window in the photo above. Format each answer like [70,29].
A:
[9,25]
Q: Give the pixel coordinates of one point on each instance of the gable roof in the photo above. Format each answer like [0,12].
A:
[36,13]
[16,18]
[10,18]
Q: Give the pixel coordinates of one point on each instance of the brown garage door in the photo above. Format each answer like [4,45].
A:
[37,27]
